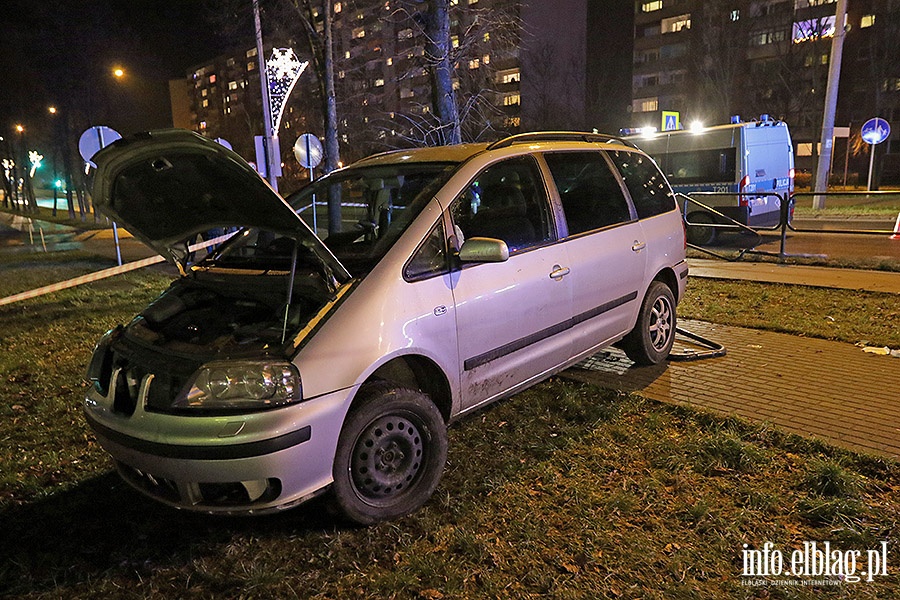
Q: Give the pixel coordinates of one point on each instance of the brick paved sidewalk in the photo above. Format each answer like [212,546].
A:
[829,390]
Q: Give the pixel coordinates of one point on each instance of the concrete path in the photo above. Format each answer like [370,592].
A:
[829,390]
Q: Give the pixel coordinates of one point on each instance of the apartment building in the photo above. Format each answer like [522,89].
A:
[520,65]
[708,60]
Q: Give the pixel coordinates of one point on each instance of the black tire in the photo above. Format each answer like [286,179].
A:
[390,455]
[700,235]
[650,342]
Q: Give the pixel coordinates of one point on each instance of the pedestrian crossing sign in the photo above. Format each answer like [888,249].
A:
[670,120]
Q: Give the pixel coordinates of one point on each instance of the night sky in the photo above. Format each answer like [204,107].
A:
[62,53]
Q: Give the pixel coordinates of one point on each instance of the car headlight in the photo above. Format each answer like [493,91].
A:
[242,385]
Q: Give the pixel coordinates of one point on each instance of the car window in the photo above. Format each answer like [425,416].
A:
[648,188]
[431,257]
[507,201]
[590,193]
[360,212]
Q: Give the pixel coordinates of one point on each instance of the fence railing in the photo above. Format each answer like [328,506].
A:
[702,211]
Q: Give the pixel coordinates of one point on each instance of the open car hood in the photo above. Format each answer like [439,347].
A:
[167,186]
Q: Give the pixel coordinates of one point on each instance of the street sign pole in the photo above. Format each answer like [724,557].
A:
[873,132]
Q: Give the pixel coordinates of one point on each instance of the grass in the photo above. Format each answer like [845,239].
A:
[878,204]
[856,317]
[564,491]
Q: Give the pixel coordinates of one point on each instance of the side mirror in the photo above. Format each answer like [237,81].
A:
[482,249]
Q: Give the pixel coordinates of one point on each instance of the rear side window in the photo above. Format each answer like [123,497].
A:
[590,193]
[507,202]
[648,188]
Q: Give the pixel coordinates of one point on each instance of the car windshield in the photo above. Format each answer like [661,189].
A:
[360,212]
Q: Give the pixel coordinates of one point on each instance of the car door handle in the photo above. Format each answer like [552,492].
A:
[558,272]
[638,246]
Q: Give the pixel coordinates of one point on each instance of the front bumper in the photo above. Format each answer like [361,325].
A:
[246,463]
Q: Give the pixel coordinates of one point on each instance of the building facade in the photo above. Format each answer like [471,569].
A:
[708,60]
[517,66]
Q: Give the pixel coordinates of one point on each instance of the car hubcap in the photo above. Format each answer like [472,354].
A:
[387,457]
[660,323]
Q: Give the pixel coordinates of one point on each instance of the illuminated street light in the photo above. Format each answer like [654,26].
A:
[118,72]
[51,110]
[20,128]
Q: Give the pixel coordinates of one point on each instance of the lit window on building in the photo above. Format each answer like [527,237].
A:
[251,66]
[389,61]
[406,93]
[675,24]
[456,84]
[508,76]
[474,63]
[454,2]
[337,7]
[404,34]
[379,82]
[766,37]
[735,15]
[645,105]
[813,29]
[866,21]
[798,4]
[204,92]
[651,6]
[511,99]
[359,32]
[229,62]
[341,74]
[454,41]
[486,37]
[251,52]
[347,54]
[202,124]
[512,121]
[232,85]
[205,103]
[486,59]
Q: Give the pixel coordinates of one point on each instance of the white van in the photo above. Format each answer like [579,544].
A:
[745,163]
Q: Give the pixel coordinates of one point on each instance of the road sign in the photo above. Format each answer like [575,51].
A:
[95,138]
[308,151]
[671,120]
[874,131]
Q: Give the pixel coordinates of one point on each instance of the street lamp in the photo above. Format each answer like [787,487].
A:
[118,72]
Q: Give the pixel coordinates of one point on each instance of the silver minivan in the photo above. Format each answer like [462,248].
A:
[328,343]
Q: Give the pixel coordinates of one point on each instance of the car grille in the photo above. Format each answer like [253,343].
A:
[135,364]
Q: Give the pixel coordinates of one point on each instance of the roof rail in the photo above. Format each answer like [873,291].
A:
[558,136]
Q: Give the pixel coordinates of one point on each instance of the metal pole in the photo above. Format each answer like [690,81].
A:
[871,165]
[831,93]
[311,179]
[267,109]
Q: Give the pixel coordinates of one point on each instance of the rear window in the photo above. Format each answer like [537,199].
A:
[649,190]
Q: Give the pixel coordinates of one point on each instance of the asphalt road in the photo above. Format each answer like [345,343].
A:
[876,248]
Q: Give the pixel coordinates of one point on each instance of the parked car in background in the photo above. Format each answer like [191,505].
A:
[287,364]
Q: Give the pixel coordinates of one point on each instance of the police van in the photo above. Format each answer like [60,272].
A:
[747,163]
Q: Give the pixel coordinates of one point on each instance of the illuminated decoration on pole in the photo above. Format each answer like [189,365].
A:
[35,159]
[283,70]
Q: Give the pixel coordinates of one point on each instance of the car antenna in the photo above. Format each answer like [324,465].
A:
[290,292]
